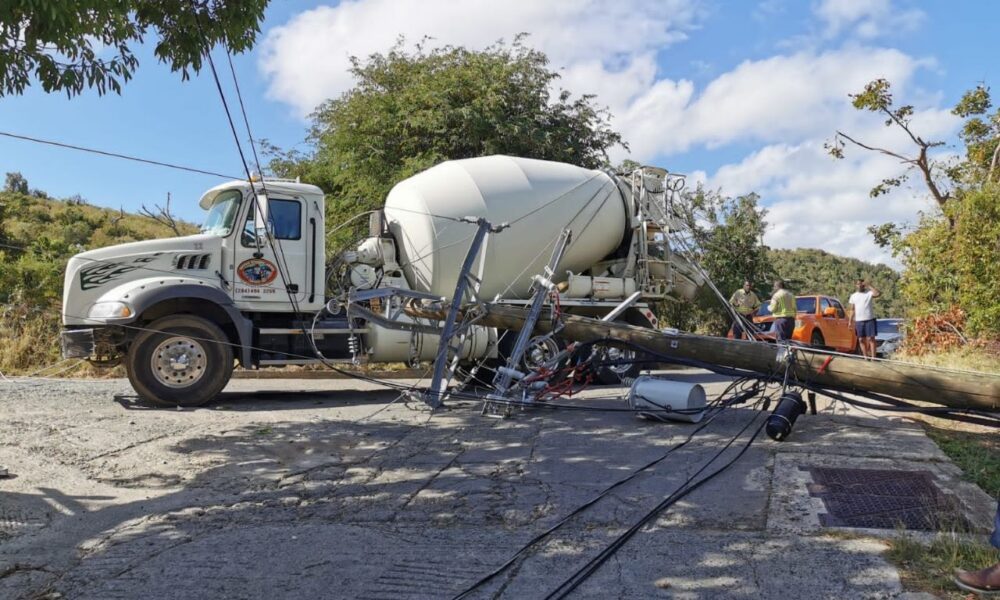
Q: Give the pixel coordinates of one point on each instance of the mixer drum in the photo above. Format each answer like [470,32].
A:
[539,198]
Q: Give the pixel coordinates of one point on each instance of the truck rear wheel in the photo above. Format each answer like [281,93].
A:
[180,360]
[620,365]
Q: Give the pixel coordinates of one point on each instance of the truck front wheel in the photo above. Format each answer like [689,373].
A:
[180,360]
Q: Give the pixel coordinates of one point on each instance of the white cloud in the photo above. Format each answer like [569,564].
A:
[867,19]
[607,48]
[815,201]
[787,104]
[781,98]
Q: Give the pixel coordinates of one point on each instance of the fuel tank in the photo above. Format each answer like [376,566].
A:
[538,198]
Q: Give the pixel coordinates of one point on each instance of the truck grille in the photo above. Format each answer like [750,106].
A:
[192,261]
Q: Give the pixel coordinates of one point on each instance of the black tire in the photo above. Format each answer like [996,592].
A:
[816,339]
[611,374]
[181,360]
[538,350]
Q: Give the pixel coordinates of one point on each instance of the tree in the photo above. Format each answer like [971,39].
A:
[67,46]
[16,183]
[877,98]
[950,257]
[725,239]
[981,135]
[410,110]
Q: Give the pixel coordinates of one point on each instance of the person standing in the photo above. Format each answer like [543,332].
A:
[782,306]
[984,581]
[746,303]
[863,316]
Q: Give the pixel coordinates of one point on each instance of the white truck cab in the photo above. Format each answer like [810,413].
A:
[211,287]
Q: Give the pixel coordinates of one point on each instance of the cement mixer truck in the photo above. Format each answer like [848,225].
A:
[256,286]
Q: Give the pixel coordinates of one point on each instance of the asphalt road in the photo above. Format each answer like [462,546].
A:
[313,488]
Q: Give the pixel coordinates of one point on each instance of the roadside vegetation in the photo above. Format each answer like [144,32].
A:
[950,257]
[38,235]
[813,271]
[929,566]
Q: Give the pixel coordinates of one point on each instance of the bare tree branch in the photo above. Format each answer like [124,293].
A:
[162,215]
[904,159]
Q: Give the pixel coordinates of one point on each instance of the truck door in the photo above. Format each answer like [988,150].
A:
[258,283]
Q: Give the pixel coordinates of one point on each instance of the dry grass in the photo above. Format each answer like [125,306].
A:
[29,345]
[967,358]
[930,567]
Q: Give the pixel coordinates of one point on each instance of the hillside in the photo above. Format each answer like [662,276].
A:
[809,270]
[38,235]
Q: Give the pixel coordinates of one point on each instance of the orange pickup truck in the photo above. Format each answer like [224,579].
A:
[819,321]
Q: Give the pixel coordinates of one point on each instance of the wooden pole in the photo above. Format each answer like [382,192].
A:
[837,372]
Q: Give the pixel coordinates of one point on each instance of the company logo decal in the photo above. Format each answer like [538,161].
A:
[101,273]
[257,271]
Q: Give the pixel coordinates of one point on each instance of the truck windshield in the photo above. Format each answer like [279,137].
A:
[222,213]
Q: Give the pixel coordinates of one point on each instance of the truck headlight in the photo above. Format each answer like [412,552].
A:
[110,310]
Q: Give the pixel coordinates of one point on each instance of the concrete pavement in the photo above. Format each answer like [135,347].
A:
[288,488]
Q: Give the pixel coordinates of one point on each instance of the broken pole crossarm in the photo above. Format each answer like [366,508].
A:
[542,287]
[435,394]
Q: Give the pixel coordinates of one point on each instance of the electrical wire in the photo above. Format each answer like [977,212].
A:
[116,155]
[273,241]
[600,495]
[582,574]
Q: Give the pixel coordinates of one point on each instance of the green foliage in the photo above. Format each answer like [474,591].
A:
[43,234]
[811,271]
[38,235]
[951,257]
[930,281]
[15,182]
[410,110]
[63,45]
[726,233]
[977,255]
[980,133]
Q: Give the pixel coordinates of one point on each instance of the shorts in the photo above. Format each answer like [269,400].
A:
[783,328]
[865,329]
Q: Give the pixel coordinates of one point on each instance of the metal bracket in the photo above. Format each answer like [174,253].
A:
[453,336]
[540,291]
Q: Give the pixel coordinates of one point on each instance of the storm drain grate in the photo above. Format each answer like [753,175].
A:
[883,499]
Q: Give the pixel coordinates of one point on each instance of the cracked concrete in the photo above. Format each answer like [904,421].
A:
[288,488]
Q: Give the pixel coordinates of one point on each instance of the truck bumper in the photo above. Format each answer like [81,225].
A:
[77,343]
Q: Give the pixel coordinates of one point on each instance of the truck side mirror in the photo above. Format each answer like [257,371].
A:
[829,311]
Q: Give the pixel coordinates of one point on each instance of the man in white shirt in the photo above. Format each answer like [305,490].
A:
[863,316]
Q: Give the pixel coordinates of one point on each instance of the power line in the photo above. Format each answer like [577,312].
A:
[115,155]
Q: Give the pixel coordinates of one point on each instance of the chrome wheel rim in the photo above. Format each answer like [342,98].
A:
[178,362]
[614,353]
[539,352]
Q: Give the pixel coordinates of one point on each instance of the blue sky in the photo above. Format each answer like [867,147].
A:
[739,95]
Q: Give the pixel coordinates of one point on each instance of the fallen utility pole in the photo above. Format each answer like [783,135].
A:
[846,373]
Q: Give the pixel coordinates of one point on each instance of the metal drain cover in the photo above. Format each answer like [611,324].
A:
[883,499]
